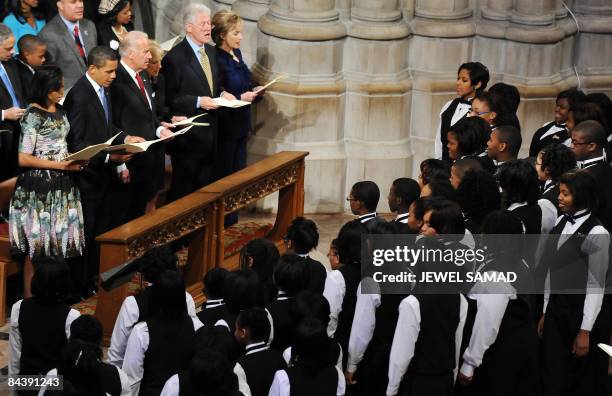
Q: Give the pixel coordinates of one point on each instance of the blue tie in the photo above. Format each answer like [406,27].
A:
[102,95]
[9,86]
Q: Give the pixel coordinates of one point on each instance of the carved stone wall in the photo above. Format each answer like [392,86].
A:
[366,78]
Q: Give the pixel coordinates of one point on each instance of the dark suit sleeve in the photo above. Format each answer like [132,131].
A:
[77,137]
[178,102]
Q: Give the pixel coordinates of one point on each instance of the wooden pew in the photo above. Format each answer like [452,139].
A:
[194,215]
[7,266]
[282,172]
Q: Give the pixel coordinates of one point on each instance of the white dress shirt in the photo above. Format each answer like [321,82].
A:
[15,336]
[282,387]
[406,336]
[127,318]
[125,386]
[460,112]
[554,128]
[334,291]
[364,323]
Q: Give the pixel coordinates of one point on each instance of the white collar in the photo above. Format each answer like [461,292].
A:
[516,205]
[256,347]
[303,255]
[367,217]
[402,218]
[548,185]
[590,162]
[130,71]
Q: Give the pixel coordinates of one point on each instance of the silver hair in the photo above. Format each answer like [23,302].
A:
[131,41]
[192,10]
[5,33]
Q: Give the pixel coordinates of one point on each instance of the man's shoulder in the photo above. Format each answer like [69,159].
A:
[87,24]
[178,51]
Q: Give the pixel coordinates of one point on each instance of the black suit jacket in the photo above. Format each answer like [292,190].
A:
[9,141]
[88,126]
[185,81]
[26,76]
[133,115]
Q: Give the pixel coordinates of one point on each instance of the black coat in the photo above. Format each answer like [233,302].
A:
[9,141]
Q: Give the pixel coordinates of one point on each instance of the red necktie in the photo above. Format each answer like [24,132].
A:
[77,39]
[141,86]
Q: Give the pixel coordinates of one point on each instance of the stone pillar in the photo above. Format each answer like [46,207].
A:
[250,11]
[377,20]
[497,10]
[443,18]
[344,8]
[534,12]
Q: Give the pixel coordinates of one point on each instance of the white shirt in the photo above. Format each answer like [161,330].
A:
[554,129]
[367,217]
[364,323]
[460,112]
[282,387]
[402,218]
[590,162]
[127,318]
[173,388]
[125,386]
[596,245]
[406,335]
[335,289]
[137,346]
[15,336]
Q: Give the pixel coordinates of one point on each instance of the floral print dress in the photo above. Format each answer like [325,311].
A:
[45,214]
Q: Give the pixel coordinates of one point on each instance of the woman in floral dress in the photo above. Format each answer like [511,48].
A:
[45,215]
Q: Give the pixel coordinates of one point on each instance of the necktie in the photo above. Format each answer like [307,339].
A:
[141,86]
[7,83]
[205,63]
[102,95]
[77,40]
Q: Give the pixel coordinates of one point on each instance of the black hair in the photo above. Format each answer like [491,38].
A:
[15,8]
[407,190]
[442,188]
[366,192]
[214,281]
[465,164]
[79,363]
[478,194]
[478,74]
[557,158]
[605,104]
[256,321]
[519,181]
[303,235]
[420,208]
[47,78]
[211,373]
[264,254]
[28,43]
[432,168]
[593,131]
[156,261]
[446,217]
[111,17]
[509,95]
[502,222]
[291,274]
[310,350]
[51,281]
[334,244]
[511,136]
[168,297]
[472,134]
[218,339]
[572,95]
[583,187]
[98,56]
[584,111]
[349,243]
[309,304]
[240,290]
[86,328]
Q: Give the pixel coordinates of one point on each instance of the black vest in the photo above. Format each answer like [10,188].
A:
[324,383]
[167,353]
[434,352]
[142,300]
[43,335]
[260,367]
[317,277]
[352,277]
[210,315]
[109,381]
[445,126]
[531,217]
[284,327]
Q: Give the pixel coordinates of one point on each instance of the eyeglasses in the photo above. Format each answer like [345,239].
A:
[351,199]
[475,113]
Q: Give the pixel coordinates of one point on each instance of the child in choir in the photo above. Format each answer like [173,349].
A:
[303,237]
[259,362]
[472,77]
[492,109]
[341,284]
[503,321]
[520,190]
[81,365]
[312,373]
[556,131]
[32,351]
[439,188]
[140,307]
[363,201]
[509,94]
[577,255]
[478,195]
[460,168]
[583,111]
[163,344]
[426,339]
[291,276]
[431,169]
[468,138]
[402,193]
[214,307]
[261,255]
[504,144]
[239,292]
[332,255]
[415,219]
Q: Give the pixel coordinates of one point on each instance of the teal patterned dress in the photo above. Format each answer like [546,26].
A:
[45,215]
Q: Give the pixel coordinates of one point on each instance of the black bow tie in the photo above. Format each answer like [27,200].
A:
[572,218]
[564,126]
[464,101]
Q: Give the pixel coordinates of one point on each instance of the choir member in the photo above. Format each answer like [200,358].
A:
[261,255]
[459,169]
[303,237]
[520,190]
[509,95]
[402,193]
[332,255]
[478,194]
[504,145]
[468,138]
[439,188]
[363,200]
[431,169]
[214,306]
[239,291]
[492,109]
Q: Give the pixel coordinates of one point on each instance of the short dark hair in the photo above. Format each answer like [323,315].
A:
[218,339]
[214,281]
[501,222]
[308,303]
[442,188]
[420,207]
[446,217]
[240,290]
[465,164]
[433,168]
[519,182]
[478,194]
[472,134]
[383,228]
[86,328]
[594,132]
[28,43]
[303,234]
[478,74]
[264,254]
[572,95]
[47,78]
[291,274]
[407,190]
[584,111]
[98,56]
[557,158]
[496,104]
[583,187]
[211,373]
[511,136]
[156,261]
[366,192]
[168,296]
[51,280]
[509,94]
[310,350]
[349,243]
[256,320]
[605,104]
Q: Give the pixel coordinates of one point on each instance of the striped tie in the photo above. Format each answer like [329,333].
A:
[205,63]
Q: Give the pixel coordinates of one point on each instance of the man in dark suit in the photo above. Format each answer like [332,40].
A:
[90,114]
[12,104]
[190,70]
[135,114]
[32,52]
[69,38]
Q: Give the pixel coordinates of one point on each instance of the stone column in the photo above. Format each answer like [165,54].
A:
[534,12]
[497,10]
[377,20]
[443,18]
[250,11]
